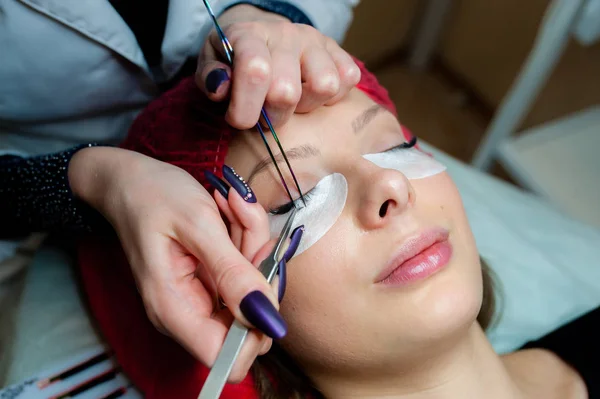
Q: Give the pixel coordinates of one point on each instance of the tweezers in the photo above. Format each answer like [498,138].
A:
[213,386]
[236,336]
[230,56]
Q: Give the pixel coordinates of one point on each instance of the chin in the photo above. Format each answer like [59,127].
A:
[444,309]
[453,312]
[453,299]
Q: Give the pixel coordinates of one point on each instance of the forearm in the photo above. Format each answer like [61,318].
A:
[35,195]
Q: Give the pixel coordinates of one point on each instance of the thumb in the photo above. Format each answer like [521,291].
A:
[241,286]
[213,77]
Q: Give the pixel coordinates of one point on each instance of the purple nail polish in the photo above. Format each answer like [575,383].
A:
[239,184]
[215,78]
[282,271]
[262,314]
[217,183]
[294,243]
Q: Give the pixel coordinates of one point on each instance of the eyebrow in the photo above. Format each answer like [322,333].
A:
[307,151]
[302,152]
[365,117]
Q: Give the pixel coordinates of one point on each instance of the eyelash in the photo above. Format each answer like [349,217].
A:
[283,209]
[405,145]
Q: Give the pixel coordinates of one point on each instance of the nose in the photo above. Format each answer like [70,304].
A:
[384,193]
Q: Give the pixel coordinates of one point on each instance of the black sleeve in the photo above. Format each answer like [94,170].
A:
[577,343]
[35,196]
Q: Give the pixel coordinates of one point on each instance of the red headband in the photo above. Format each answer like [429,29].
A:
[185,129]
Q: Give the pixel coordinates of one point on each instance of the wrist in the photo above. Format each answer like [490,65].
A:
[247,13]
[92,172]
[284,9]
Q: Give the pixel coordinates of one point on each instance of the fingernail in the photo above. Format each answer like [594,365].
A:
[217,183]
[239,184]
[215,78]
[262,314]
[294,243]
[282,271]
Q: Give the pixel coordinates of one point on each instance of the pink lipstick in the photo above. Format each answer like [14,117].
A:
[418,258]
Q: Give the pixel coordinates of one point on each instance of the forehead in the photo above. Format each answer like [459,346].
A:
[324,126]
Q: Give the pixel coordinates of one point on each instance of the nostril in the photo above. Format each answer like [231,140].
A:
[384,208]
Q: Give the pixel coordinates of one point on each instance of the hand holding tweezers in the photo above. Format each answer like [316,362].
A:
[229,54]
[237,332]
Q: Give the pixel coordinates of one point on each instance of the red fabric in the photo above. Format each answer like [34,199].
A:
[185,129]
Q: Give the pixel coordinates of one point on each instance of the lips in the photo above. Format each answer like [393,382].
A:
[418,257]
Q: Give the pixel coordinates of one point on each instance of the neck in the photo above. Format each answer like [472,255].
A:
[469,369]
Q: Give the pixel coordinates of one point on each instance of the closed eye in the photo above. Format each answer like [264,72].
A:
[285,208]
[403,146]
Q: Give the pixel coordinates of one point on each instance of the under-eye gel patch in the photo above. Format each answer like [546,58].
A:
[413,163]
[328,198]
[327,201]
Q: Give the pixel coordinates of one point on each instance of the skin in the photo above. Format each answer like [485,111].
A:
[178,246]
[355,337]
[284,67]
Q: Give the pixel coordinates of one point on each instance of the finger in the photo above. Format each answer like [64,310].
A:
[181,306]
[254,223]
[220,194]
[281,279]
[290,251]
[257,343]
[204,337]
[252,348]
[254,345]
[286,86]
[251,81]
[267,344]
[212,75]
[320,76]
[348,71]
[236,229]
[242,287]
[251,216]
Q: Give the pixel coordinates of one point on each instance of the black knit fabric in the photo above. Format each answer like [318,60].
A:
[35,196]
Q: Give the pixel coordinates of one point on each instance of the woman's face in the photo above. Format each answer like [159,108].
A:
[341,314]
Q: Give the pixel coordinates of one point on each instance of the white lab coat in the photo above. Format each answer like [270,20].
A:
[71,71]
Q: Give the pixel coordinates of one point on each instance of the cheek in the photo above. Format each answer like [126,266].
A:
[333,314]
[322,295]
[453,297]
[438,200]
[317,279]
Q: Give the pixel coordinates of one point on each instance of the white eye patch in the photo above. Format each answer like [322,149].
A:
[327,201]
[413,163]
[328,198]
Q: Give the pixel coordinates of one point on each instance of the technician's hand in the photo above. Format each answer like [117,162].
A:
[180,251]
[285,66]
[249,231]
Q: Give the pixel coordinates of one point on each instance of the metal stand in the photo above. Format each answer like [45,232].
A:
[549,46]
